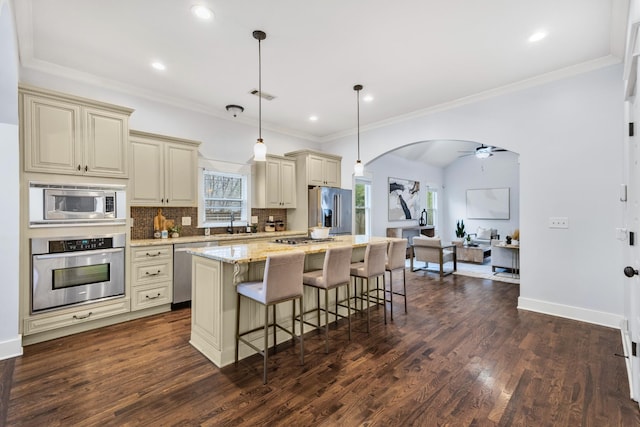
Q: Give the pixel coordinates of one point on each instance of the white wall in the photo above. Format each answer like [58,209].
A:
[393,166]
[10,340]
[498,171]
[569,136]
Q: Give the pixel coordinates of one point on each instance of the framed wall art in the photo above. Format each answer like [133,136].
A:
[488,203]
[404,199]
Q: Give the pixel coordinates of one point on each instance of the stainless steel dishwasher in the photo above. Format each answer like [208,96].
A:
[182,270]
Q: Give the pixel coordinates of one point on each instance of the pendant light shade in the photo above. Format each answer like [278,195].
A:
[358,168]
[260,149]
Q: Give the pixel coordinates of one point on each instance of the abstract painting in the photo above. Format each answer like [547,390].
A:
[404,199]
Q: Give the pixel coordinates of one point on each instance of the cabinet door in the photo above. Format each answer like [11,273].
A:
[272,184]
[106,138]
[315,170]
[332,172]
[147,165]
[288,184]
[181,175]
[51,136]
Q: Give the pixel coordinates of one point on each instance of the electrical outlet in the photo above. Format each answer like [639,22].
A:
[558,222]
[186,220]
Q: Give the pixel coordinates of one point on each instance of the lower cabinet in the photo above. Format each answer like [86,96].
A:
[64,318]
[151,276]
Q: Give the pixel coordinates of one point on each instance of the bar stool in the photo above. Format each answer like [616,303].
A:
[396,256]
[372,266]
[334,273]
[282,282]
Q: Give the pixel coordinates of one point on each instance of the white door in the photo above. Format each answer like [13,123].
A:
[631,252]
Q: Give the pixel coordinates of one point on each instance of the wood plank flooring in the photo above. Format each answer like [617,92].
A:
[463,356]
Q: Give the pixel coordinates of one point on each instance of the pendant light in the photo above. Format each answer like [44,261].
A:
[260,149]
[358,169]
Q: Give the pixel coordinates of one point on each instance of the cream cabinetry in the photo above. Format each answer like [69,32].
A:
[164,171]
[151,276]
[74,317]
[63,134]
[323,171]
[274,183]
[313,169]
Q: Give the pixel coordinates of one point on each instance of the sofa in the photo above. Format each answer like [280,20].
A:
[484,236]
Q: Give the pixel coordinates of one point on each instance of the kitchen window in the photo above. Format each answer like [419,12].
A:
[362,206]
[432,207]
[223,195]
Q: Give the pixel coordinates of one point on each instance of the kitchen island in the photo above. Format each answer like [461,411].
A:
[216,271]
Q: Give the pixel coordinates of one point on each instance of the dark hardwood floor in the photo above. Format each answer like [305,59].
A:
[463,356]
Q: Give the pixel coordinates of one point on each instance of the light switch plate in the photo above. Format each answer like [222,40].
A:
[186,220]
[559,222]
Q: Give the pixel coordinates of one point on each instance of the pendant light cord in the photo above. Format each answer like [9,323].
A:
[358,97]
[259,91]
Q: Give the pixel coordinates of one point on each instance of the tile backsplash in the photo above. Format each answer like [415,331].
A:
[143,220]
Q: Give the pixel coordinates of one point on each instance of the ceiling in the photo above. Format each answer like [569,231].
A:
[412,56]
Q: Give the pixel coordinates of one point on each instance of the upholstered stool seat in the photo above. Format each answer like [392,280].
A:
[334,273]
[371,267]
[282,282]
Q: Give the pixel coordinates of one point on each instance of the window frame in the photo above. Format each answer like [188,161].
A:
[230,170]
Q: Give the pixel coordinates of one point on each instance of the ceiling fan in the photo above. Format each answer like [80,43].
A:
[482,152]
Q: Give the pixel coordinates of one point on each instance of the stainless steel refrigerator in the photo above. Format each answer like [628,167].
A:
[330,207]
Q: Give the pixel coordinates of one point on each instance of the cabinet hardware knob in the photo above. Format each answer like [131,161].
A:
[630,271]
[86,168]
[75,316]
[79,167]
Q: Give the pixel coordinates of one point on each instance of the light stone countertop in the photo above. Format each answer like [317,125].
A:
[216,238]
[258,251]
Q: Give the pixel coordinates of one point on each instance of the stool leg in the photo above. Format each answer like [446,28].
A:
[237,326]
[302,332]
[384,297]
[318,306]
[275,343]
[404,285]
[368,322]
[348,311]
[326,320]
[391,292]
[293,322]
[266,344]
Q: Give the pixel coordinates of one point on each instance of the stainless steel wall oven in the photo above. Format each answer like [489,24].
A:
[75,270]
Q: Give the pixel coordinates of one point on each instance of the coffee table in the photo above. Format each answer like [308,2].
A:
[475,254]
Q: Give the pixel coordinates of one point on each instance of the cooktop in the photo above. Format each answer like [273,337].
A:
[301,240]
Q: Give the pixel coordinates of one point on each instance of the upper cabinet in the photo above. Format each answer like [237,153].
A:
[164,171]
[64,134]
[274,184]
[323,171]
[319,169]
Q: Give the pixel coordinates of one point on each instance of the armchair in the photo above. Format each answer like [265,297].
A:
[430,249]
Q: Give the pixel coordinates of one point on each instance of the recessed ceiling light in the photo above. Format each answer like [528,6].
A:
[158,66]
[537,36]
[202,12]
[313,118]
[368,98]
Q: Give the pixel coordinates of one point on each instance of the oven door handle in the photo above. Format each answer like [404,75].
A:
[76,253]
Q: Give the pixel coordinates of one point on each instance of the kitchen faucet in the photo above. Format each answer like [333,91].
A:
[230,228]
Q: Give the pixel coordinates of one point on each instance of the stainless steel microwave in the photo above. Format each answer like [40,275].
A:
[70,204]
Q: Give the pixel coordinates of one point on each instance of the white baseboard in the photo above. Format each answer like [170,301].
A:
[11,348]
[575,313]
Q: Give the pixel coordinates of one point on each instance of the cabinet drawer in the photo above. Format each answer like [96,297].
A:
[152,272]
[151,295]
[150,253]
[49,321]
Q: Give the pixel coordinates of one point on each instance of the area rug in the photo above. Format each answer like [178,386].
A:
[483,271]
